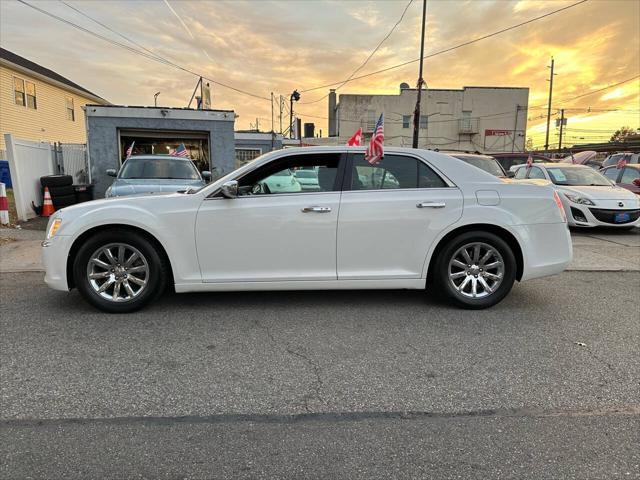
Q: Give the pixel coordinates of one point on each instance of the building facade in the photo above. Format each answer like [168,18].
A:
[251,144]
[484,119]
[206,134]
[38,104]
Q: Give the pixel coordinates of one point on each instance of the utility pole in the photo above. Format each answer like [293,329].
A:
[546,142]
[561,125]
[515,130]
[281,108]
[416,112]
[273,133]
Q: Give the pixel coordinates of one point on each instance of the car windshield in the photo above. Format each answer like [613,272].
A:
[577,176]
[488,164]
[159,168]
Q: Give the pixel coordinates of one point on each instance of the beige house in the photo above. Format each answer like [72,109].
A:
[38,104]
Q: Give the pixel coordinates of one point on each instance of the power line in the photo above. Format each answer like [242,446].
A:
[464,44]
[154,57]
[370,55]
[589,93]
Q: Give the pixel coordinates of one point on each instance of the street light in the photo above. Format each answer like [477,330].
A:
[295,96]
[155,99]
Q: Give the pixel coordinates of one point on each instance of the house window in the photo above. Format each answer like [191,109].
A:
[18,89]
[406,121]
[245,155]
[423,121]
[31,95]
[71,114]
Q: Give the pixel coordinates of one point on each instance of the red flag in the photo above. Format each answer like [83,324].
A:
[622,162]
[355,140]
[529,161]
[375,150]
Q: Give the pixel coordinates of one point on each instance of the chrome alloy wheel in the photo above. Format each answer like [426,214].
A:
[476,270]
[118,272]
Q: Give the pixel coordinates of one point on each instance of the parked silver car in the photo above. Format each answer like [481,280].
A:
[155,173]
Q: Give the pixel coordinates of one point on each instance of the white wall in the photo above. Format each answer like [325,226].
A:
[490,108]
[28,161]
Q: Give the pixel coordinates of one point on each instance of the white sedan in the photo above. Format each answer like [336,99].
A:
[589,198]
[443,224]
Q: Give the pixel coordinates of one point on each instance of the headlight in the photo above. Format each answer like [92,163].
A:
[578,199]
[54,227]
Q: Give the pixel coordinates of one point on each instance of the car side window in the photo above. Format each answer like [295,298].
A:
[536,172]
[629,175]
[521,173]
[304,173]
[393,172]
[612,174]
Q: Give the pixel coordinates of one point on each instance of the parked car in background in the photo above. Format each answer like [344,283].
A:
[280,182]
[628,157]
[508,160]
[153,174]
[589,198]
[627,177]
[587,158]
[484,162]
[307,178]
[441,226]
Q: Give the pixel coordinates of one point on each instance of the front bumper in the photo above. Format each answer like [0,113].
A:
[592,216]
[55,252]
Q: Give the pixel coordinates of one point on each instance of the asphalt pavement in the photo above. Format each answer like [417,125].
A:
[363,384]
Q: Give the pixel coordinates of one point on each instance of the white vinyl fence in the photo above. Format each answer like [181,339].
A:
[28,161]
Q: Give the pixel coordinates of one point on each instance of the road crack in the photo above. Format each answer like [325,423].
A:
[316,385]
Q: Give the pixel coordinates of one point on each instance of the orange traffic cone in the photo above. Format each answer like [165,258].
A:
[47,206]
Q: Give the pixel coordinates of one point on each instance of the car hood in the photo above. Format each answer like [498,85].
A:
[598,193]
[123,187]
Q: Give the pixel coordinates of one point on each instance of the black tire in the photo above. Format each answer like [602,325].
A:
[444,284]
[63,201]
[56,181]
[83,197]
[61,191]
[157,271]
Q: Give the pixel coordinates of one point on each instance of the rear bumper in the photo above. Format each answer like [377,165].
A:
[546,249]
[54,258]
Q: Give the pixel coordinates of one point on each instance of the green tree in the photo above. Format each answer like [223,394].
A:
[622,133]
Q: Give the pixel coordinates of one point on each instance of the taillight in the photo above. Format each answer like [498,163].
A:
[556,197]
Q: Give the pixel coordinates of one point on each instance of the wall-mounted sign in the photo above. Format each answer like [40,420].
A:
[496,133]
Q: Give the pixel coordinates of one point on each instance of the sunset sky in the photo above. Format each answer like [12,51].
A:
[263,47]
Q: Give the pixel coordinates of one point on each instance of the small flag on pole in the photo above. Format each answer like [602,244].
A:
[375,150]
[129,150]
[622,162]
[355,140]
[529,161]
[181,151]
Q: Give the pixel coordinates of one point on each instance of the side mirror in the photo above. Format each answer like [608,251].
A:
[112,172]
[206,175]
[636,182]
[511,174]
[230,189]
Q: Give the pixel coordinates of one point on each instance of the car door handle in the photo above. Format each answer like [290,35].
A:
[316,209]
[431,205]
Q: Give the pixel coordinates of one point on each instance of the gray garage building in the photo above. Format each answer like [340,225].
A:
[207,134]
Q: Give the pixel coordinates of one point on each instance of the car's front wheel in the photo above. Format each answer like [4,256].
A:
[119,271]
[476,270]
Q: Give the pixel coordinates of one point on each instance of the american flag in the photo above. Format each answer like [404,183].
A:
[375,150]
[529,161]
[622,162]
[181,151]
[130,150]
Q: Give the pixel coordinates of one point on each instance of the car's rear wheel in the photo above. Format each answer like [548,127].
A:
[119,271]
[476,270]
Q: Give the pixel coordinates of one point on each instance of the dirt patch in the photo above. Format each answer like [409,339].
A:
[5,240]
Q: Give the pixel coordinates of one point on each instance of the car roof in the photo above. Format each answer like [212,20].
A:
[152,157]
[516,155]
[468,155]
[628,165]
[554,165]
